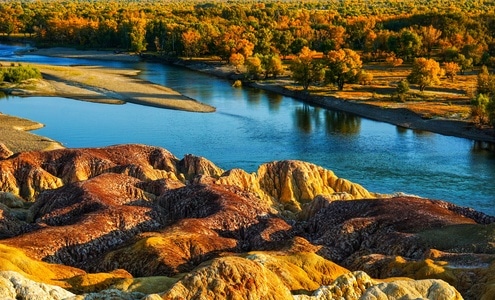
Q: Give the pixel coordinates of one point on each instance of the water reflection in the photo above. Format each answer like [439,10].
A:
[401,130]
[274,101]
[339,122]
[308,119]
[302,117]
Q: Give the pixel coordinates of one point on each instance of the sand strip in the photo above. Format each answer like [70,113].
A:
[13,133]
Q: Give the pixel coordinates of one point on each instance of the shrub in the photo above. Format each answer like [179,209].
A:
[19,74]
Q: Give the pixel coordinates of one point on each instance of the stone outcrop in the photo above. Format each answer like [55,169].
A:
[420,289]
[358,285]
[30,173]
[135,222]
[15,286]
[286,184]
[230,278]
[5,152]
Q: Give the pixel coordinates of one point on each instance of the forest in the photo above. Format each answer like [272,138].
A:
[259,35]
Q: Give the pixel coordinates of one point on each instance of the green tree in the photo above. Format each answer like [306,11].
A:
[409,44]
[485,82]
[480,109]
[466,64]
[283,40]
[343,66]
[306,70]
[272,64]
[425,72]
[254,67]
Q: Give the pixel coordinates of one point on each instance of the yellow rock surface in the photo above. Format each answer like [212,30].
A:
[289,184]
[299,271]
[12,259]
[230,278]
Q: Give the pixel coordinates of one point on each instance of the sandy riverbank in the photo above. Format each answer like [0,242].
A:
[87,83]
[106,85]
[14,134]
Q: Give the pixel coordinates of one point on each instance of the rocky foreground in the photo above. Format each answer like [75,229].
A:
[135,222]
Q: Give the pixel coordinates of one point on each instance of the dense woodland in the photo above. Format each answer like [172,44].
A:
[260,34]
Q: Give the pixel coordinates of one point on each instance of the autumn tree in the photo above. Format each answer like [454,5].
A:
[254,67]
[307,70]
[451,69]
[237,60]
[190,41]
[430,38]
[272,64]
[342,66]
[425,72]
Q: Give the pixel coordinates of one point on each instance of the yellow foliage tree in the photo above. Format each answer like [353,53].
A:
[425,72]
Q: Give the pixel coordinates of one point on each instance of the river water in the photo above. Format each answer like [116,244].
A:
[251,127]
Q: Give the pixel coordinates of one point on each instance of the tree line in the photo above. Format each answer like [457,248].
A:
[405,29]
[259,35]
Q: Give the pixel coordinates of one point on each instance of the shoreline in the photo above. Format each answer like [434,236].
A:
[396,116]
[57,84]
[14,133]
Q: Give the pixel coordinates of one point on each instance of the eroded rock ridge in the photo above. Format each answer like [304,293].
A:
[135,222]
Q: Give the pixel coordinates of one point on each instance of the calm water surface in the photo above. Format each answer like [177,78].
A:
[251,127]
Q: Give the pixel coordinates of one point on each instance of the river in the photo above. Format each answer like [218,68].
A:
[251,127]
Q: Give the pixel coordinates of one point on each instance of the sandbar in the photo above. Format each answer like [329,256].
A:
[14,134]
[98,84]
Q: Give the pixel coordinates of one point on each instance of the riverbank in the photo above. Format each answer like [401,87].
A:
[391,112]
[14,134]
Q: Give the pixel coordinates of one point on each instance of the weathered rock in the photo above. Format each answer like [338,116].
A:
[5,152]
[412,289]
[80,221]
[347,286]
[192,166]
[299,272]
[178,249]
[230,278]
[10,225]
[358,285]
[17,287]
[287,185]
[110,294]
[207,220]
[29,173]
[365,227]
[11,200]
[139,208]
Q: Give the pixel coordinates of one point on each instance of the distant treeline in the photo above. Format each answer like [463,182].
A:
[376,28]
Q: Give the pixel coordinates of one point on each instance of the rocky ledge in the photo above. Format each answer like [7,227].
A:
[135,222]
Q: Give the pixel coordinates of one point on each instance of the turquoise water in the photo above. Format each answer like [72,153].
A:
[251,127]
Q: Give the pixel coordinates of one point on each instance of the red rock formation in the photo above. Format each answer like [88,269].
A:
[139,208]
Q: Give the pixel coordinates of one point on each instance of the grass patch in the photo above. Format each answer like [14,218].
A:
[17,74]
